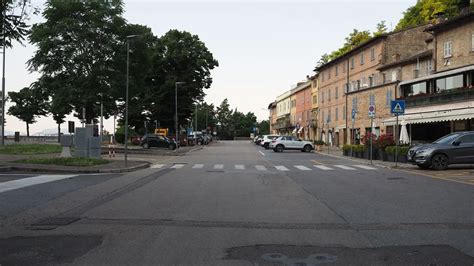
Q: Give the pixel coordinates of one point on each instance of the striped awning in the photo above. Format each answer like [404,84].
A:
[433,116]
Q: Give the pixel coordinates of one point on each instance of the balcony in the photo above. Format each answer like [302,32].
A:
[446,96]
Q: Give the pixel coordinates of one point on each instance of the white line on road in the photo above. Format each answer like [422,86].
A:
[260,167]
[263,154]
[302,167]
[365,167]
[240,167]
[281,168]
[344,167]
[218,166]
[157,165]
[26,182]
[198,166]
[178,166]
[322,167]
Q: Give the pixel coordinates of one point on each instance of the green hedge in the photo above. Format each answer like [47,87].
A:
[346,147]
[402,150]
[319,142]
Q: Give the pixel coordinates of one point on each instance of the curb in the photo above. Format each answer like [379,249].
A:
[59,170]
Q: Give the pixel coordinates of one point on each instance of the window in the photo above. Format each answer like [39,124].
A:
[337,70]
[466,139]
[371,80]
[384,78]
[354,103]
[372,99]
[362,58]
[329,116]
[337,114]
[449,83]
[372,54]
[358,84]
[344,67]
[352,63]
[429,66]
[388,97]
[448,49]
[322,96]
[343,112]
[364,84]
[329,73]
[472,42]
[308,115]
[394,75]
[329,95]
[315,99]
[336,93]
[322,117]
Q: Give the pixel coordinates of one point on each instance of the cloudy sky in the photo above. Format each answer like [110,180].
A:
[263,47]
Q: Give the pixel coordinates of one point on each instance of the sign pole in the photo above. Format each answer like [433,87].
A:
[397,140]
[371,128]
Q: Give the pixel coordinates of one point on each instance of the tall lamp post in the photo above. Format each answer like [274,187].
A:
[126,98]
[176,108]
[3,71]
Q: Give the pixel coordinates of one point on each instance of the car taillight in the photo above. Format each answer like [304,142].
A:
[273,141]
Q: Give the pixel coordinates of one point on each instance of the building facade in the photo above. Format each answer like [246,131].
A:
[314,108]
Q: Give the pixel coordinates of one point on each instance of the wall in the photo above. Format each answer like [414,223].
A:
[462,53]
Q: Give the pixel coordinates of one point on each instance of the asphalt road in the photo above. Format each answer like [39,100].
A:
[233,203]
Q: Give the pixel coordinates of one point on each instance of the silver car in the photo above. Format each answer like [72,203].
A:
[290,143]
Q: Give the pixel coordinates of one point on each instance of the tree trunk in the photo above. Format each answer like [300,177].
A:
[59,133]
[27,129]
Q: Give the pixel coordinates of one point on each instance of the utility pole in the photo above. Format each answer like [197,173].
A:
[3,70]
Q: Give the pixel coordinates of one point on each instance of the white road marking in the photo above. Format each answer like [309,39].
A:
[157,165]
[344,167]
[260,167]
[218,166]
[240,167]
[322,167]
[30,181]
[178,166]
[263,154]
[365,167]
[198,166]
[302,167]
[281,168]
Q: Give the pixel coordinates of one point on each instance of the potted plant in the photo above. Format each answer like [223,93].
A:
[358,150]
[346,149]
[366,139]
[319,145]
[384,141]
[402,153]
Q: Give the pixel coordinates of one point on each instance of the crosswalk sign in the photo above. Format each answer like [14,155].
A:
[397,107]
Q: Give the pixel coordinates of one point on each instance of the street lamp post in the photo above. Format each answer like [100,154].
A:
[3,72]
[176,108]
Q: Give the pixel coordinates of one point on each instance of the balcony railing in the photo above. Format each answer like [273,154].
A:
[446,96]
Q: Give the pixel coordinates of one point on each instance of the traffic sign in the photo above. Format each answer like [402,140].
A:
[372,110]
[397,107]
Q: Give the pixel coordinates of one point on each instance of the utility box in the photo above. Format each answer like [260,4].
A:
[86,144]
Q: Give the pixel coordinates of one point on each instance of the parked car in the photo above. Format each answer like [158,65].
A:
[282,143]
[266,139]
[454,148]
[149,141]
[258,139]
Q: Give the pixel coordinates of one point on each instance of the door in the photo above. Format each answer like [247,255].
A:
[463,150]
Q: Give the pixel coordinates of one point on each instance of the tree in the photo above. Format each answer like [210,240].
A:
[224,114]
[179,57]
[29,104]
[264,127]
[17,13]
[424,11]
[78,43]
[381,28]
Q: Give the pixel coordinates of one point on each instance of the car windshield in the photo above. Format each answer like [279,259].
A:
[447,139]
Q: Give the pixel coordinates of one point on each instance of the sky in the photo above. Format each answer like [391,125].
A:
[263,47]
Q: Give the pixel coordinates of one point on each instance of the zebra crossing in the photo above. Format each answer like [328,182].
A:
[283,168]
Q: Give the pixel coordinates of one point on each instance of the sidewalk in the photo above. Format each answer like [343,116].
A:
[337,152]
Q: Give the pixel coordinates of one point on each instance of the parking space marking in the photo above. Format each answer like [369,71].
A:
[178,166]
[323,167]
[239,167]
[218,166]
[345,167]
[260,168]
[365,167]
[281,168]
[157,166]
[302,167]
[30,181]
[198,166]
[263,154]
[433,176]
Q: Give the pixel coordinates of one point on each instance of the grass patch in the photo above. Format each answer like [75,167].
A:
[71,161]
[29,149]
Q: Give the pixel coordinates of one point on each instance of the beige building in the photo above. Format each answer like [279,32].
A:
[354,81]
[314,108]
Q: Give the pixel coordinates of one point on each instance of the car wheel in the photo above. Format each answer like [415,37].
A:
[280,148]
[439,162]
[146,145]
[307,148]
[171,147]
[266,146]
[422,166]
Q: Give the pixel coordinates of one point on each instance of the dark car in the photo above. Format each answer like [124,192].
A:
[455,148]
[158,141]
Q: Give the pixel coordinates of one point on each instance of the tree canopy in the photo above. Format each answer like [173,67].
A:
[16,17]
[29,103]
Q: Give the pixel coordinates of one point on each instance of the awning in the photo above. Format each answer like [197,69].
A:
[431,117]
[440,74]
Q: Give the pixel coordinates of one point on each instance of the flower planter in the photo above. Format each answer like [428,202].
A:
[374,154]
[401,158]
[383,155]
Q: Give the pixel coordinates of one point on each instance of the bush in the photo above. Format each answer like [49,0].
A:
[319,142]
[366,139]
[358,148]
[402,150]
[346,147]
[385,140]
